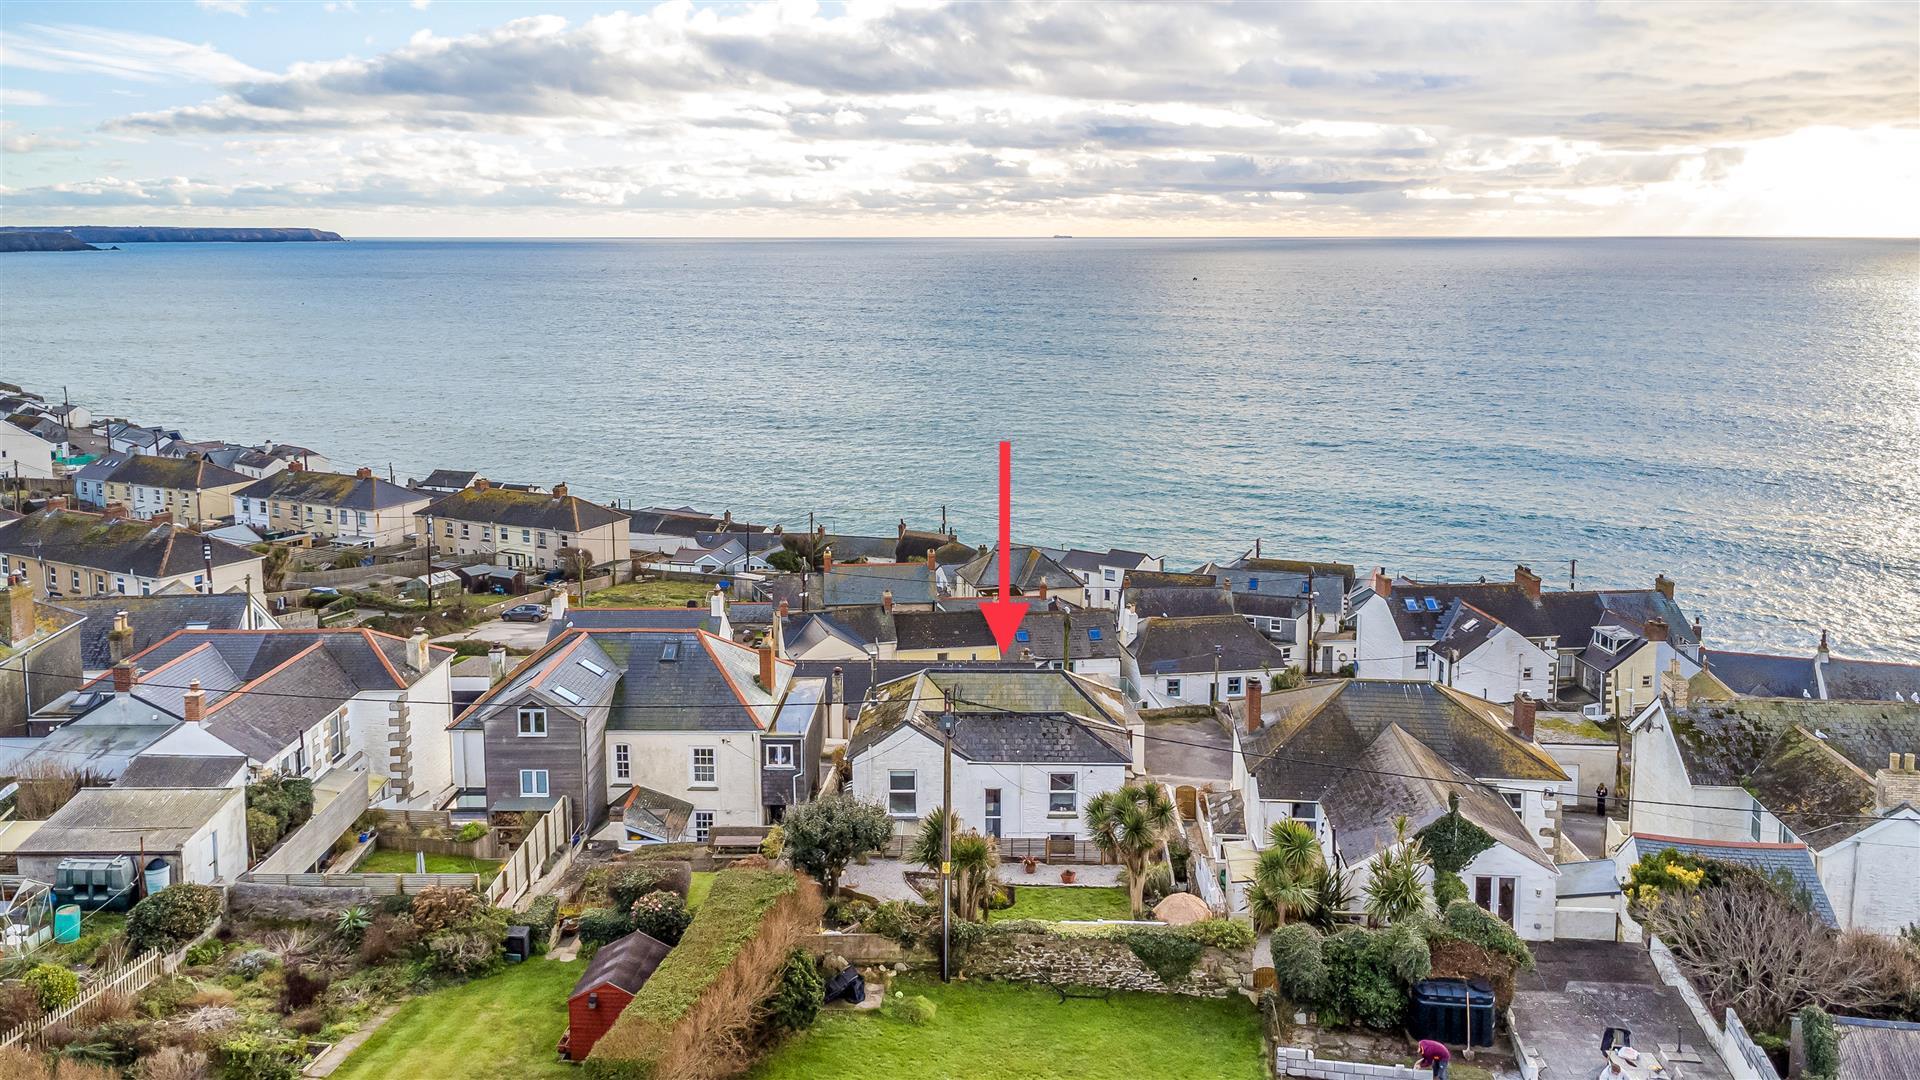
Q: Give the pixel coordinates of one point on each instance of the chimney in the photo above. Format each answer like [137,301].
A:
[766,668]
[417,652]
[162,517]
[123,677]
[1523,715]
[726,522]
[120,637]
[57,502]
[886,601]
[1898,783]
[363,473]
[837,705]
[194,704]
[930,564]
[784,609]
[716,603]
[557,606]
[1253,706]
[826,561]
[295,466]
[560,490]
[1698,638]
[1043,593]
[903,530]
[1822,654]
[114,510]
[1655,629]
[1676,686]
[481,483]
[496,664]
[1906,763]
[19,611]
[1382,584]
[1663,585]
[1528,581]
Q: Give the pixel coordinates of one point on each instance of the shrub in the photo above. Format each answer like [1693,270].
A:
[843,913]
[175,914]
[471,831]
[1360,983]
[1168,953]
[628,885]
[172,1063]
[18,1004]
[353,923]
[254,1056]
[53,986]
[1822,1044]
[661,916]
[289,800]
[439,908]
[1447,888]
[802,991]
[471,947]
[901,920]
[917,1010]
[303,986]
[207,952]
[774,843]
[539,918]
[1299,972]
[601,925]
[263,831]
[1227,934]
[385,938]
[824,835]
[1467,921]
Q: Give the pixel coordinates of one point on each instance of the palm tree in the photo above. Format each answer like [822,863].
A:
[1286,876]
[1130,824]
[1332,894]
[926,845]
[976,862]
[1397,890]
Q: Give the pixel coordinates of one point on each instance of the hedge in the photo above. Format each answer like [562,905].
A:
[709,990]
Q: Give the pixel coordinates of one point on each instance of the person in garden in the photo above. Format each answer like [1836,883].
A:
[1600,799]
[1435,1056]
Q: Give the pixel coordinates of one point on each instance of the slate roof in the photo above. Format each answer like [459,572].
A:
[1397,774]
[1328,582]
[857,625]
[1795,859]
[1877,1049]
[1154,579]
[1096,635]
[1596,877]
[1005,716]
[914,544]
[1765,675]
[858,677]
[524,509]
[942,630]
[867,583]
[451,479]
[848,546]
[151,618]
[1871,680]
[1226,813]
[184,474]
[341,490]
[756,543]
[1179,601]
[121,820]
[1030,569]
[168,771]
[1567,616]
[649,680]
[1094,561]
[1307,734]
[101,467]
[626,962]
[115,545]
[655,812]
[682,521]
[1176,646]
[265,687]
[1811,763]
[632,618]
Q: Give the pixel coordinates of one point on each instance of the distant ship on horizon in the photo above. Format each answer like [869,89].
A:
[1062,236]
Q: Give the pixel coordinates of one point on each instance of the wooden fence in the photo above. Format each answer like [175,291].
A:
[129,978]
[383,884]
[522,869]
[417,819]
[484,848]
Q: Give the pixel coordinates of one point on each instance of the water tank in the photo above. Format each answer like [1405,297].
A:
[66,923]
[1454,1011]
[95,882]
[159,875]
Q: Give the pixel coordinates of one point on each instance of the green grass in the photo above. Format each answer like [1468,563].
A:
[1056,903]
[1026,1032]
[502,1027]
[389,861]
[697,891]
[650,594]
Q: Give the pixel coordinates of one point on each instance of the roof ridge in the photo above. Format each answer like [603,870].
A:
[235,693]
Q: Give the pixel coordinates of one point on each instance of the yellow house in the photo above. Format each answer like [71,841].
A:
[943,635]
[63,552]
[191,489]
[523,528]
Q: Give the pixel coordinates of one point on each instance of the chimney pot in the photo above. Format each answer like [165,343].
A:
[560,490]
[1824,651]
[1528,581]
[123,677]
[766,668]
[1382,584]
[783,609]
[929,558]
[1524,712]
[1663,585]
[886,600]
[363,472]
[1253,706]
[716,603]
[1043,590]
[1906,763]
[295,466]
[194,705]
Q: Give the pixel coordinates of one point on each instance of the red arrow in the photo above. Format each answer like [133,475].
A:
[1004,613]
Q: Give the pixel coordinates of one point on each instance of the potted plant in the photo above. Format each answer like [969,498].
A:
[1068,877]
[1030,864]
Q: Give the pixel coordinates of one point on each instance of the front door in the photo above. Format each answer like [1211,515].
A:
[992,814]
[1495,894]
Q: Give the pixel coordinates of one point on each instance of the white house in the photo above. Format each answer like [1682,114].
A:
[1103,573]
[1836,776]
[24,454]
[1197,661]
[1030,748]
[1347,757]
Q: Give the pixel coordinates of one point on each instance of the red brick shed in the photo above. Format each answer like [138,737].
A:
[613,976]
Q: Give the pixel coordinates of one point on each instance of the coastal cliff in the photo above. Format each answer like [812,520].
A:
[43,241]
[142,234]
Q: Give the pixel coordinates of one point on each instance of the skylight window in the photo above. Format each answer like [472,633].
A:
[1469,624]
[1253,584]
[1412,604]
[1093,634]
[1022,635]
[1432,604]
[670,652]
[566,695]
[593,667]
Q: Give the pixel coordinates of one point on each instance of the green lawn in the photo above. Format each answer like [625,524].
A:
[1056,903]
[650,594]
[698,889]
[1025,1032]
[502,1027]
[389,861]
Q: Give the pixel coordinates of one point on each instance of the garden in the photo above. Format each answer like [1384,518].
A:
[650,594]
[501,1027]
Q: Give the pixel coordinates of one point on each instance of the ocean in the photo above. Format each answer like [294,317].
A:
[1741,415]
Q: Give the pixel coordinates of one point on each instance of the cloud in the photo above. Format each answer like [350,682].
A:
[122,54]
[16,97]
[224,7]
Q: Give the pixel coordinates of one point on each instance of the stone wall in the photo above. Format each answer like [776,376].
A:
[862,950]
[1099,963]
[293,903]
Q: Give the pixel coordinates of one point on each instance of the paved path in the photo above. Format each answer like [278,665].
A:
[1578,989]
[514,635]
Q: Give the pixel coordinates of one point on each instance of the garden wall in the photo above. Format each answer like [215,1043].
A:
[292,903]
[1300,1061]
[863,949]
[1099,963]
[1737,1051]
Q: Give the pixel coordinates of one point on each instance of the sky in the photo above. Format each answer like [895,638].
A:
[920,119]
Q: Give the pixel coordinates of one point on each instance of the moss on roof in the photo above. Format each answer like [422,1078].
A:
[1578,727]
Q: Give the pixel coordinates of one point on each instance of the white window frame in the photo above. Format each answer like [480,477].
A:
[1420,656]
[1235,686]
[532,721]
[1517,800]
[779,755]
[622,761]
[1071,806]
[1173,688]
[911,791]
[528,791]
[702,826]
[711,766]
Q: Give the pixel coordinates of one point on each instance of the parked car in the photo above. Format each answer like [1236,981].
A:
[525,613]
[323,590]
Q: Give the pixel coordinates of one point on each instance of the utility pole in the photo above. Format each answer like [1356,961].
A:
[946,843]
[1066,646]
[1573,574]
[1214,694]
[943,518]
[206,558]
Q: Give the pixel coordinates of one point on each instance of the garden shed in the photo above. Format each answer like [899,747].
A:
[615,974]
[485,578]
